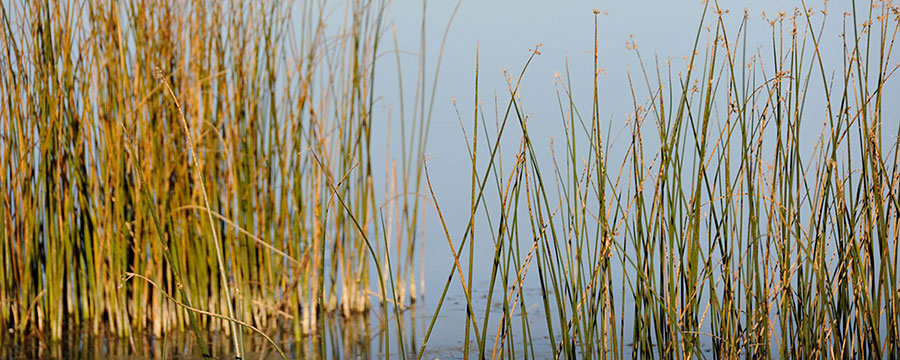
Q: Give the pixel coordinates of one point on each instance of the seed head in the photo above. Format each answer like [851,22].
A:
[157,73]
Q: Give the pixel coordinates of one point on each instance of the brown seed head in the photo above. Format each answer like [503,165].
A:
[157,73]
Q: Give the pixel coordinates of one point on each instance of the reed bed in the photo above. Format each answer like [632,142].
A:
[218,152]
[208,165]
[747,208]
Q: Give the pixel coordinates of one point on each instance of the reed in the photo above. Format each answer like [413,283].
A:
[220,155]
[200,146]
[749,210]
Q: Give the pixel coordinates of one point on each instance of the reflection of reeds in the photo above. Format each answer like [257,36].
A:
[748,228]
[201,178]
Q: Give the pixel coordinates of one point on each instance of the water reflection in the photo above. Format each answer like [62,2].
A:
[358,337]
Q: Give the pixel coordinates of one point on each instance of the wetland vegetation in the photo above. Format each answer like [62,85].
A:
[213,169]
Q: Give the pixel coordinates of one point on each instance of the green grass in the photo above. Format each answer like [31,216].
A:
[209,165]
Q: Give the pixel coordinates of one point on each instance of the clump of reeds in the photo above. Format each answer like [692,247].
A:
[752,212]
[199,145]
